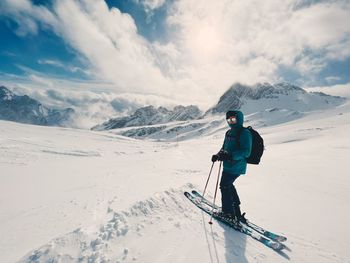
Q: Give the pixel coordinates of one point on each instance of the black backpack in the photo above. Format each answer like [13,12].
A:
[257,145]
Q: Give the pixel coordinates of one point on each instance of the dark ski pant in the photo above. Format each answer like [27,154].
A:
[229,196]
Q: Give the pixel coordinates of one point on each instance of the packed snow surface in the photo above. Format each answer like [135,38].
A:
[71,195]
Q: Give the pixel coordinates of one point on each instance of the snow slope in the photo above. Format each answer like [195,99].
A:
[71,195]
[185,130]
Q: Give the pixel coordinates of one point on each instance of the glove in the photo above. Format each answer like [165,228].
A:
[214,158]
[223,156]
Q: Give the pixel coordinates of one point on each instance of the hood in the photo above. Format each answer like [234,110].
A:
[240,119]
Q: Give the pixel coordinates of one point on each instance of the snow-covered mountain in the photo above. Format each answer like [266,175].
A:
[27,110]
[262,104]
[263,96]
[150,115]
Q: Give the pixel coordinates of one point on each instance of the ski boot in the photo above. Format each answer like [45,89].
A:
[240,217]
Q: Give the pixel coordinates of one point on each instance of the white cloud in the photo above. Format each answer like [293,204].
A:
[40,80]
[50,62]
[251,39]
[332,79]
[93,102]
[321,25]
[307,65]
[150,5]
[109,40]
[339,51]
[59,64]
[27,15]
[212,44]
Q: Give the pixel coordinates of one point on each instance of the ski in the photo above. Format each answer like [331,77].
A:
[238,227]
[257,228]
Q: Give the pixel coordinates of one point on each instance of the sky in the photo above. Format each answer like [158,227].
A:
[189,51]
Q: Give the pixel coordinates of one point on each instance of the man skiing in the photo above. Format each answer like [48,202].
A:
[234,153]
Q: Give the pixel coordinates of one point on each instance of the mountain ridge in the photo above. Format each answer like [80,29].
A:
[25,109]
[239,95]
[150,115]
[281,101]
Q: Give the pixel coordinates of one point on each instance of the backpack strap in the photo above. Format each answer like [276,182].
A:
[226,134]
[238,135]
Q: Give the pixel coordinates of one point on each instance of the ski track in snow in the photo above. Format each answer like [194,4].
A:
[74,153]
[166,217]
[108,242]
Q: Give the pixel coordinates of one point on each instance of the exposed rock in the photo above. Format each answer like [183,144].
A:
[150,115]
[27,110]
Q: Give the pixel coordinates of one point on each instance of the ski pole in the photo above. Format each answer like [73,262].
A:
[216,190]
[206,184]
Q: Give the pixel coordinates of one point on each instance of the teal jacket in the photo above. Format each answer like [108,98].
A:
[239,152]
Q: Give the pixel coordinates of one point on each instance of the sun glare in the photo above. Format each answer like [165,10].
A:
[204,42]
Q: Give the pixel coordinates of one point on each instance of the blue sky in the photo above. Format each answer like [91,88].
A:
[20,53]
[175,48]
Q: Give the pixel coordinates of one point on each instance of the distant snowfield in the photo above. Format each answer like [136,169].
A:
[336,90]
[71,195]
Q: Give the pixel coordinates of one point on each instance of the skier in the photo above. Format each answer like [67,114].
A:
[236,148]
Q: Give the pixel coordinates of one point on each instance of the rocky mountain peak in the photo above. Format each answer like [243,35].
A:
[5,93]
[28,110]
[238,94]
[150,115]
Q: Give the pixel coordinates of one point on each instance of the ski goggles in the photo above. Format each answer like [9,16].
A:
[231,120]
